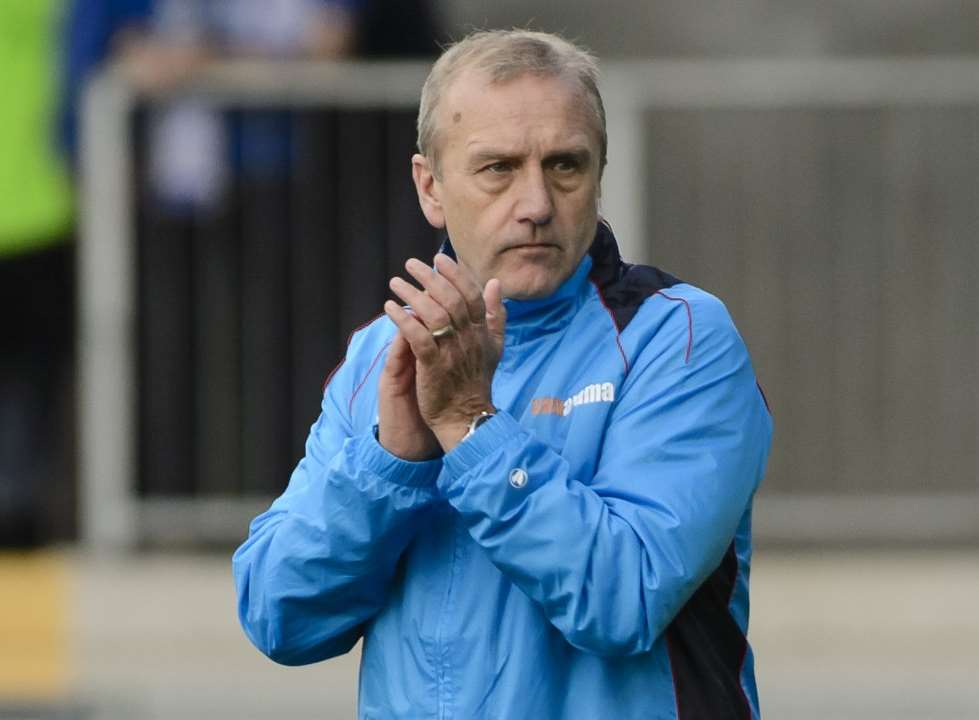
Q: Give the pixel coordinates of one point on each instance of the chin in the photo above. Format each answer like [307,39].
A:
[530,288]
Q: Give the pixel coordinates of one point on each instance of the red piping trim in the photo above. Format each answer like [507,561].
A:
[350,405]
[618,339]
[350,338]
[326,383]
[686,304]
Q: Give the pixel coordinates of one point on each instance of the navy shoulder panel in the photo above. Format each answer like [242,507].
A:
[622,286]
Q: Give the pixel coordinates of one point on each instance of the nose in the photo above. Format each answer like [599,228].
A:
[534,202]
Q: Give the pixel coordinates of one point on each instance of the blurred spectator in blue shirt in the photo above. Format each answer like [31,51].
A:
[162,42]
[94,31]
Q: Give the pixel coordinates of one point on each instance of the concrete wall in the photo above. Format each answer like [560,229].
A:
[844,243]
[720,28]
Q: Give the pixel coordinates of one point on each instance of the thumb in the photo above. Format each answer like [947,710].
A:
[495,311]
[400,357]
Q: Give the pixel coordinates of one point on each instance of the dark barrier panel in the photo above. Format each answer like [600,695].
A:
[244,309]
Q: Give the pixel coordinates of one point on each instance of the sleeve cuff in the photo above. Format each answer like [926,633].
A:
[378,461]
[487,439]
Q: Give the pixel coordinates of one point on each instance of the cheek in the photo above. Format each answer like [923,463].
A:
[487,225]
[580,209]
[472,208]
[581,199]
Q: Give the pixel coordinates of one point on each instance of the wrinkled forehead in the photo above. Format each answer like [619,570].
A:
[469,102]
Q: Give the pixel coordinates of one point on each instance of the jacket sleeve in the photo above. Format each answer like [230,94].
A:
[611,558]
[316,566]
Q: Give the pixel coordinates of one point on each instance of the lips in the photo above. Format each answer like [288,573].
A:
[532,246]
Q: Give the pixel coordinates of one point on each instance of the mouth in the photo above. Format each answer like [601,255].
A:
[532,247]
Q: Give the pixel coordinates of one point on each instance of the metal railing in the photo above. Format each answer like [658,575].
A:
[115,516]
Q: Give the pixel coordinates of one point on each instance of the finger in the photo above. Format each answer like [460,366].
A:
[419,338]
[495,310]
[400,359]
[425,307]
[443,291]
[465,282]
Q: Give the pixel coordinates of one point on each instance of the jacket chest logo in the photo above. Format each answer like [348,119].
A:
[594,393]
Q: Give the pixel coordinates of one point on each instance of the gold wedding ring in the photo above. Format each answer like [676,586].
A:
[443,332]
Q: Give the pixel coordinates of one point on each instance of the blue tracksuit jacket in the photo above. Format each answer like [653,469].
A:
[583,555]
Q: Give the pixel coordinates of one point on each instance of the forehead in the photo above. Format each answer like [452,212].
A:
[526,110]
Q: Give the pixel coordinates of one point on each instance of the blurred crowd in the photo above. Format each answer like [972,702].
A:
[50,50]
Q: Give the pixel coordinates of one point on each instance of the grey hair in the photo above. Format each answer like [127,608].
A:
[506,55]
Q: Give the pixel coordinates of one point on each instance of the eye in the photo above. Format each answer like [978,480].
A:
[498,168]
[566,165]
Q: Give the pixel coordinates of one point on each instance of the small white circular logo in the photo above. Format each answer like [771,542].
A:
[518,477]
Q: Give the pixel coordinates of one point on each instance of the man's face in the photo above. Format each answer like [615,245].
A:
[519,179]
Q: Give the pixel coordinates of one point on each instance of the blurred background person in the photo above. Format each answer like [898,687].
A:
[36,289]
[163,42]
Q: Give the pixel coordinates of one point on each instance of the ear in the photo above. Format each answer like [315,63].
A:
[427,187]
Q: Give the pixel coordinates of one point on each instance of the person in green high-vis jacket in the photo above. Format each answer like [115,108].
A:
[36,282]
[35,195]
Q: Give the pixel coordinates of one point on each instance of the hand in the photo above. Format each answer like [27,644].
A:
[152,65]
[454,373]
[401,430]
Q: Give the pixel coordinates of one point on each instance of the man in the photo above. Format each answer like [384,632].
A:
[530,493]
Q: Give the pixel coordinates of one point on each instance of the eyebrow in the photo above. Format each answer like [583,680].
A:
[489,155]
[580,154]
